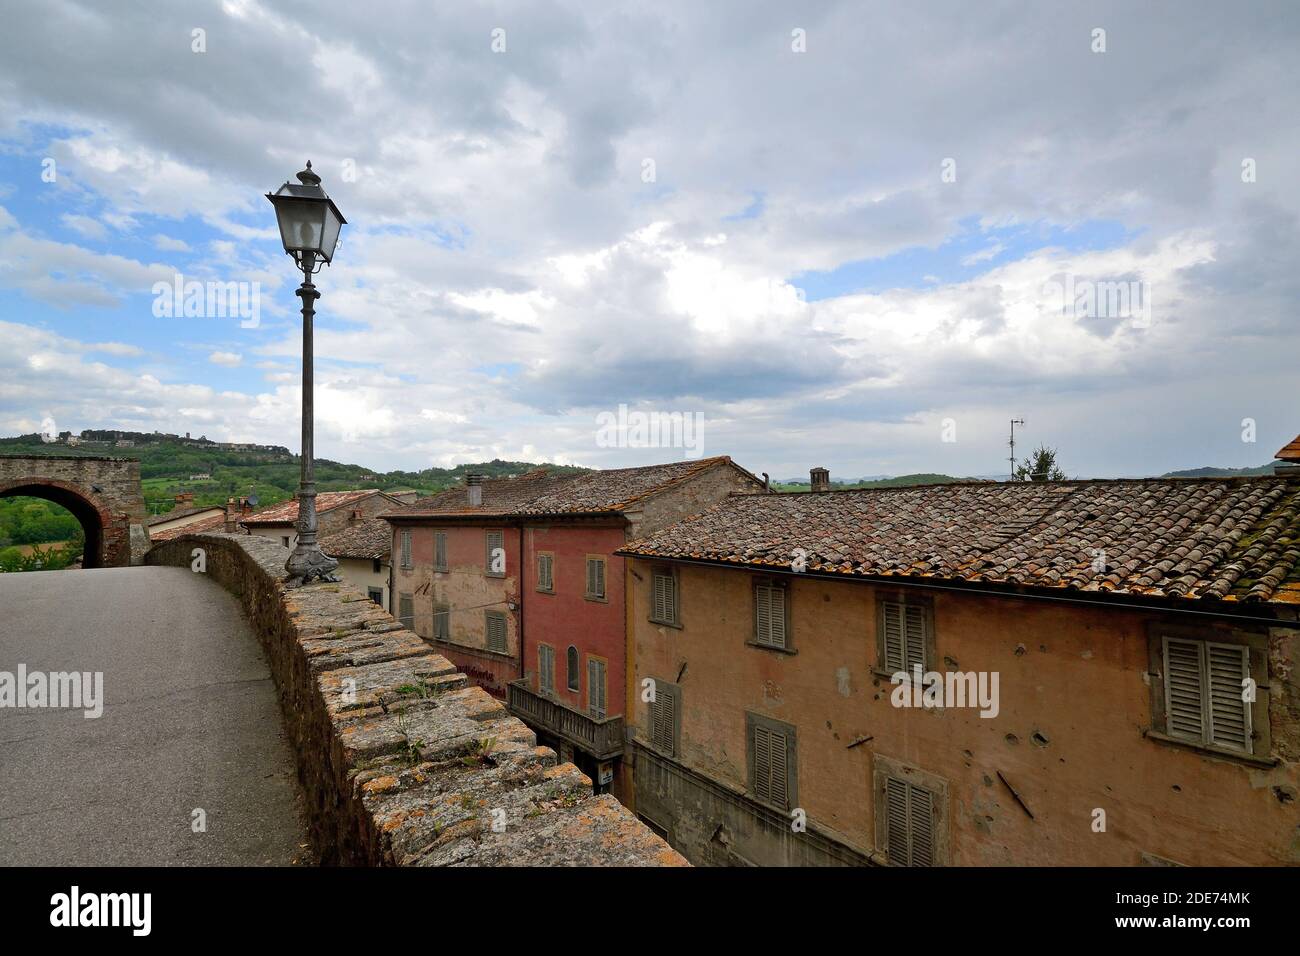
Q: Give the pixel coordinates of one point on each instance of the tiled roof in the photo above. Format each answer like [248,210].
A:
[541,493]
[286,512]
[176,513]
[1237,539]
[215,523]
[369,538]
[1290,451]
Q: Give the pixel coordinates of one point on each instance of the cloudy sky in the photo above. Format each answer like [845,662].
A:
[838,233]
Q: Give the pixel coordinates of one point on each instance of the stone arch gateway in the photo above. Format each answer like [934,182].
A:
[103,493]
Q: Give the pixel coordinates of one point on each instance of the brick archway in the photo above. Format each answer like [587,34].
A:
[104,494]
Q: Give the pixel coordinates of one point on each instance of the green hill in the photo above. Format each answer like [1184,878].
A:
[1210,472]
[169,466]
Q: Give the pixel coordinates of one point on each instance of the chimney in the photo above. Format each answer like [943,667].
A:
[474,484]
[821,479]
[233,514]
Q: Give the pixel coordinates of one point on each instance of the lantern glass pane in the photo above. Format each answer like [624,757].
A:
[330,232]
[300,224]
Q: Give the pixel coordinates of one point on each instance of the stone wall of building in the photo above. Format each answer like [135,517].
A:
[403,762]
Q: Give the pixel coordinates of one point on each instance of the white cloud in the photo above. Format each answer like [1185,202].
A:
[228,359]
[84,226]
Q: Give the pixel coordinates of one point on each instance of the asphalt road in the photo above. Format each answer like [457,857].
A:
[190,721]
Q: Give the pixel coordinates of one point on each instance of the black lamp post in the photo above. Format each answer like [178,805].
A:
[309,228]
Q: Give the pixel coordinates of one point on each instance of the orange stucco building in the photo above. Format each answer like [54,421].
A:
[1136,643]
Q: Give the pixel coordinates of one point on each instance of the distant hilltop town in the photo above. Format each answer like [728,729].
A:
[123,439]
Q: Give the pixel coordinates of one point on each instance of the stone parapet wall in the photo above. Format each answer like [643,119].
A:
[401,760]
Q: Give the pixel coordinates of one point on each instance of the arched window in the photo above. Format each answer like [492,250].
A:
[574,681]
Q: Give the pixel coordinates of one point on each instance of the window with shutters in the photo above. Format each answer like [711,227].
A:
[595,578]
[909,823]
[1205,693]
[904,635]
[406,549]
[441,622]
[597,701]
[546,572]
[440,551]
[546,669]
[495,627]
[663,597]
[406,611]
[495,562]
[665,717]
[771,747]
[572,678]
[771,614]
[911,814]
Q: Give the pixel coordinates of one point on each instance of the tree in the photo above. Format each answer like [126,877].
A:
[1040,466]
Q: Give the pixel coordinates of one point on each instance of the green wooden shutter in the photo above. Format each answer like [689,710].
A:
[1227,665]
[1184,693]
[406,549]
[595,577]
[895,655]
[406,611]
[920,818]
[769,615]
[659,604]
[596,701]
[914,635]
[440,550]
[771,777]
[496,631]
[662,717]
[546,669]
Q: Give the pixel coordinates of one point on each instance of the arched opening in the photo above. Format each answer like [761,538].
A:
[83,509]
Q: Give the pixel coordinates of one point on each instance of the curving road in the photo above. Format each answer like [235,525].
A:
[190,721]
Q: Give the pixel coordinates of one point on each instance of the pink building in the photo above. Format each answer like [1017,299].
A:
[515,581]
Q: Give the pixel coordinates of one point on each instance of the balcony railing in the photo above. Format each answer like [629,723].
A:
[600,738]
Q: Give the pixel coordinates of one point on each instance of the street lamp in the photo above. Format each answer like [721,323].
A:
[309,228]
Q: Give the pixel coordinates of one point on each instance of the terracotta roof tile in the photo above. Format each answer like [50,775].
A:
[1234,539]
[541,493]
[1290,451]
[369,538]
[286,512]
[215,523]
[176,513]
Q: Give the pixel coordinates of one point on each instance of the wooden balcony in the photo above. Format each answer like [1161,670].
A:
[602,739]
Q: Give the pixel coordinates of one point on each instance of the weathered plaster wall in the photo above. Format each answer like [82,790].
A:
[470,591]
[360,573]
[687,498]
[566,617]
[403,762]
[1074,698]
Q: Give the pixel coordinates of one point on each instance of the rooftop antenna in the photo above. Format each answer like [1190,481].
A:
[1012,443]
